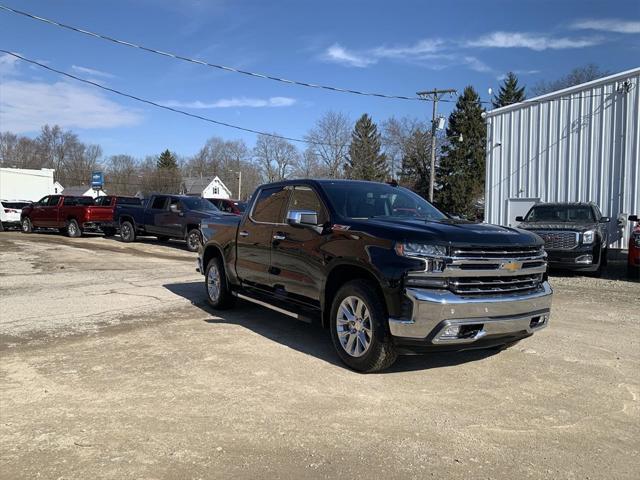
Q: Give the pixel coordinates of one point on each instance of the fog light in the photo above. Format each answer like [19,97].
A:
[451,331]
[584,259]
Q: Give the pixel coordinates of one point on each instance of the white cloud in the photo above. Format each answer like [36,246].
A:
[420,48]
[607,25]
[234,103]
[26,106]
[8,64]
[531,41]
[476,64]
[338,54]
[91,71]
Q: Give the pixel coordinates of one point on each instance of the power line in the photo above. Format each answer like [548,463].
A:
[165,107]
[201,62]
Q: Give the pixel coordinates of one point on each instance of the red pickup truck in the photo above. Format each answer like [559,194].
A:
[110,227]
[69,214]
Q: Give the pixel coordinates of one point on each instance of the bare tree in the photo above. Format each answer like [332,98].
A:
[576,76]
[122,176]
[275,156]
[397,137]
[308,166]
[80,161]
[329,140]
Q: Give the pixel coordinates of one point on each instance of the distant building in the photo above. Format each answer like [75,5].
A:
[205,187]
[26,184]
[57,188]
[580,144]
[84,191]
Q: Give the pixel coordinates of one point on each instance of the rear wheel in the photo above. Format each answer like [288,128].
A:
[73,229]
[27,226]
[127,232]
[359,330]
[217,287]
[194,240]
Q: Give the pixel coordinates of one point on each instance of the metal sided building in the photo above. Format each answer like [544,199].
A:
[579,144]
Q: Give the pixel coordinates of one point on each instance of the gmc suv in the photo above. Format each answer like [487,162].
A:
[380,267]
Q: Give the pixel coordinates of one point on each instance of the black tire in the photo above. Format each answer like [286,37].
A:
[27,226]
[127,232]
[221,297]
[633,273]
[380,352]
[1,227]
[73,229]
[194,240]
[109,231]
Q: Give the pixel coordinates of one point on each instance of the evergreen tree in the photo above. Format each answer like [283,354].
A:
[365,161]
[416,162]
[167,160]
[461,171]
[509,93]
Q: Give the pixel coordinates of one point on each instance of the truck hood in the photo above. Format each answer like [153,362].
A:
[574,227]
[448,232]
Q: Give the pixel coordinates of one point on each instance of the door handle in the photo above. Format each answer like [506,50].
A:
[279,236]
[243,233]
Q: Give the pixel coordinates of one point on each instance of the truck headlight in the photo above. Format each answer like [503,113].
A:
[432,255]
[588,237]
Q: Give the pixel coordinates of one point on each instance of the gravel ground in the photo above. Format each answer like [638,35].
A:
[112,367]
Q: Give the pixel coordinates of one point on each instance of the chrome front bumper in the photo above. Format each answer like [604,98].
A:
[435,310]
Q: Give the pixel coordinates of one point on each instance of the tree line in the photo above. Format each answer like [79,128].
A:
[399,149]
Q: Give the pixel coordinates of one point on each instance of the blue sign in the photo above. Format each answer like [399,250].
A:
[97,180]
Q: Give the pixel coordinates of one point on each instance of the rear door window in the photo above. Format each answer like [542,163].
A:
[270,204]
[53,200]
[159,203]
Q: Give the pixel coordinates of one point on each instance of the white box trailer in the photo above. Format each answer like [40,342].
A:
[26,184]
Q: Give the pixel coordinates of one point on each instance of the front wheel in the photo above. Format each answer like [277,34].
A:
[217,287]
[359,330]
[73,229]
[127,232]
[27,226]
[194,240]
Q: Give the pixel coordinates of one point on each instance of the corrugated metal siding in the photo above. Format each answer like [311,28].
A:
[581,144]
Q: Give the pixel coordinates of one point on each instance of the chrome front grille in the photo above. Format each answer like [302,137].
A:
[559,240]
[494,285]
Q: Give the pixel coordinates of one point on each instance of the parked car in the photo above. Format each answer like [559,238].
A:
[237,207]
[10,213]
[165,217]
[379,266]
[633,259]
[110,227]
[69,214]
[575,234]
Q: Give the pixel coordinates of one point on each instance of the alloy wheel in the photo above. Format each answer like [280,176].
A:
[213,283]
[354,326]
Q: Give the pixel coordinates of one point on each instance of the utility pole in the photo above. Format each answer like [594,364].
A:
[434,95]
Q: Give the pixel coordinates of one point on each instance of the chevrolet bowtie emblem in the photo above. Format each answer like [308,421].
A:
[511,266]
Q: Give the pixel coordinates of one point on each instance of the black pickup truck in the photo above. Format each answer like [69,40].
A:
[575,234]
[165,217]
[380,267]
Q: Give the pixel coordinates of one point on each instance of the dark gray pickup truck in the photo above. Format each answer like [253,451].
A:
[165,217]
[379,266]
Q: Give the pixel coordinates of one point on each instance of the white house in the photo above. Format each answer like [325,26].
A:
[57,188]
[26,184]
[205,187]
[84,191]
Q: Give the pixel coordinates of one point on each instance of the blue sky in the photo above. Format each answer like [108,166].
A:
[396,47]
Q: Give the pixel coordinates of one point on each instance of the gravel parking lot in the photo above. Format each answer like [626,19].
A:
[113,367]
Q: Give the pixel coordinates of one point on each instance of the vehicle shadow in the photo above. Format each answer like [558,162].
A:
[310,339]
[175,244]
[615,270]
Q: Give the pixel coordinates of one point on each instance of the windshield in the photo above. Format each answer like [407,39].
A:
[368,200]
[197,203]
[560,213]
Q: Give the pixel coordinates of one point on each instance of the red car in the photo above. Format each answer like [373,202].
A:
[69,214]
[633,262]
[237,207]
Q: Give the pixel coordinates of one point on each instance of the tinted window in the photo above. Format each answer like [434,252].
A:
[560,213]
[43,201]
[69,201]
[159,203]
[84,201]
[367,200]
[53,200]
[200,204]
[129,201]
[270,205]
[305,198]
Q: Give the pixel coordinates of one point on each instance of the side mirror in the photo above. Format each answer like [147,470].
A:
[519,218]
[302,218]
[633,218]
[605,219]
[174,208]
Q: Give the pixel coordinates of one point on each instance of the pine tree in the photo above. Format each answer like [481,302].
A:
[365,160]
[509,93]
[167,160]
[416,163]
[461,171]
